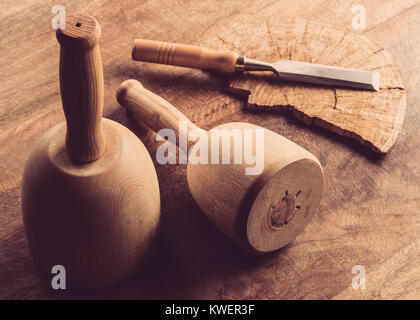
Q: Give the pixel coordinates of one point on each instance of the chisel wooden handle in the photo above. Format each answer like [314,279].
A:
[184,55]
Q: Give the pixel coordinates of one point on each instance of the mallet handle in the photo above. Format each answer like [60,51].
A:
[82,87]
[154,111]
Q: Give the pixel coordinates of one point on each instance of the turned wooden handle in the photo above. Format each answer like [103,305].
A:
[154,111]
[82,87]
[184,55]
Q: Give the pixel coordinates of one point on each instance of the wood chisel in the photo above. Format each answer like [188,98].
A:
[231,62]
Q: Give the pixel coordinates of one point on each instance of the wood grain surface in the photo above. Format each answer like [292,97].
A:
[369,214]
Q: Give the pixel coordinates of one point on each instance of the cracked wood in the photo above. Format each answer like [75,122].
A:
[372,118]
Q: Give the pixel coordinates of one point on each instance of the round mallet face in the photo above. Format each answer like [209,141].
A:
[285,205]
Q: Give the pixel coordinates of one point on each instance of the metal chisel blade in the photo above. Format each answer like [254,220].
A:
[326,75]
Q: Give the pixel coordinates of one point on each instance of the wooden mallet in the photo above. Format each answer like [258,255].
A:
[261,212]
[90,194]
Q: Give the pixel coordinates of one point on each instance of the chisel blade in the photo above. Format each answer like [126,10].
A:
[326,75]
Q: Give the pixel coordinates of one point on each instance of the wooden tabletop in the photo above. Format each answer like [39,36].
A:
[370,212]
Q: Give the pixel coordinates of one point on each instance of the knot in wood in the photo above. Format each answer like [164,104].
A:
[284,211]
